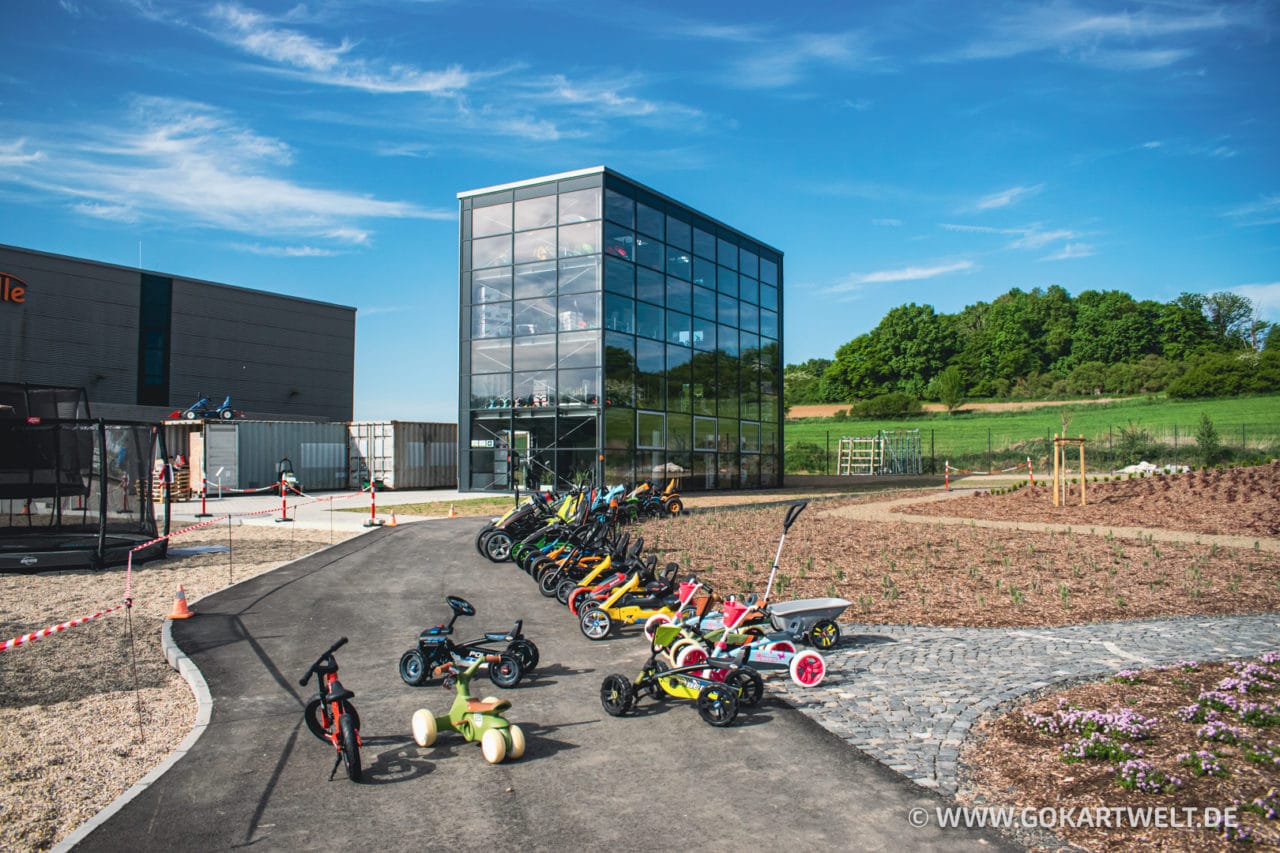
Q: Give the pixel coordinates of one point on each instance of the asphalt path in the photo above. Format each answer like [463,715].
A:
[657,779]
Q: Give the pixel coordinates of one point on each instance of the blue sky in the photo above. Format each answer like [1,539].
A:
[929,152]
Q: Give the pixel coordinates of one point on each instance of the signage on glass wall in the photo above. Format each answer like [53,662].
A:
[12,288]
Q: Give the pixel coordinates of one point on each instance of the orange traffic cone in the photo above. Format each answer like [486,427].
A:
[393,520]
[180,609]
[453,512]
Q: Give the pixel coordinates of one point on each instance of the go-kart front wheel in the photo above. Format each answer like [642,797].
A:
[617,695]
[824,634]
[424,727]
[808,669]
[413,670]
[494,746]
[749,684]
[595,623]
[718,704]
[497,547]
[674,506]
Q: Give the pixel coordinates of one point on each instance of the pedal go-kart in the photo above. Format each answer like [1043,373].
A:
[204,408]
[718,699]
[436,647]
[639,598]
[475,719]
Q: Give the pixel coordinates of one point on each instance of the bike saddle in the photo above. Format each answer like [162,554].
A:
[337,693]
[479,706]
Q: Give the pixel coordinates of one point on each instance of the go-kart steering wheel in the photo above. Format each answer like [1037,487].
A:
[460,605]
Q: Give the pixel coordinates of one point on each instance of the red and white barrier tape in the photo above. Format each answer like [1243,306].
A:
[952,469]
[53,629]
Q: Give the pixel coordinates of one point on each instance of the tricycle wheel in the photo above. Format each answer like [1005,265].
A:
[808,669]
[413,670]
[749,684]
[595,623]
[506,672]
[498,546]
[651,624]
[781,646]
[824,634]
[718,704]
[526,652]
[494,746]
[516,750]
[617,695]
[563,589]
[424,727]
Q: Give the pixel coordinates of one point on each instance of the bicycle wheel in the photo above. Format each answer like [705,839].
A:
[350,746]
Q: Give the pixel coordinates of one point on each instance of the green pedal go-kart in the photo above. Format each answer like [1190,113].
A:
[477,720]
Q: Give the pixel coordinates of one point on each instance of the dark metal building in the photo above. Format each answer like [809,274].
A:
[608,328]
[145,344]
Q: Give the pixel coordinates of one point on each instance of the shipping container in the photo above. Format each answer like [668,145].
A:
[247,454]
[403,454]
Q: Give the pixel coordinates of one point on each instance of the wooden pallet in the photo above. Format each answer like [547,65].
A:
[180,490]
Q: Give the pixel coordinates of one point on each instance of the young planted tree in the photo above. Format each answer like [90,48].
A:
[1207,440]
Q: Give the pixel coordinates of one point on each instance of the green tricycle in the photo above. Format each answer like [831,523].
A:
[475,719]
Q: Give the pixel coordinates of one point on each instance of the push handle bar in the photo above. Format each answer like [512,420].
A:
[342,641]
[792,514]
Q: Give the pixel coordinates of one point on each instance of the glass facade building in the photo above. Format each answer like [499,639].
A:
[608,328]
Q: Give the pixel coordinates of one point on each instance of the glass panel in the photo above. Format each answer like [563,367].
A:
[579,349]
[727,440]
[768,297]
[750,474]
[749,385]
[727,340]
[704,244]
[648,252]
[749,290]
[619,208]
[578,388]
[619,370]
[619,466]
[679,233]
[492,356]
[750,437]
[619,314]
[727,309]
[704,433]
[749,346]
[768,272]
[748,317]
[491,392]
[580,275]
[579,206]
[768,324]
[535,246]
[581,239]
[487,221]
[651,429]
[749,263]
[649,221]
[534,389]
[769,407]
[679,295]
[769,478]
[535,280]
[491,252]
[491,285]
[619,242]
[535,212]
[704,334]
[535,316]
[491,321]
[727,256]
[727,282]
[651,286]
[579,311]
[704,272]
[650,365]
[679,441]
[704,303]
[619,276]
[649,320]
[679,329]
[620,429]
[679,390]
[678,262]
[534,353]
[702,377]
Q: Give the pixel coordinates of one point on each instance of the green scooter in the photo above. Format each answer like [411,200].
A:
[475,719]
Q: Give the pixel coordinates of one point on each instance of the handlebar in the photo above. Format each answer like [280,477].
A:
[792,514]
[342,641]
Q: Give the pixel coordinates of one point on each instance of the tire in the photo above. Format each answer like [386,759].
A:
[675,506]
[313,716]
[506,673]
[691,655]
[550,580]
[718,705]
[189,415]
[424,727]
[595,623]
[516,750]
[563,589]
[574,597]
[749,684]
[226,414]
[494,746]
[413,669]
[482,537]
[781,646]
[808,669]
[824,634]
[617,695]
[525,652]
[651,624]
[498,546]
[350,746]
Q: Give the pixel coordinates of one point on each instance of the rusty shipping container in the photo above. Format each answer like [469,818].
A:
[403,454]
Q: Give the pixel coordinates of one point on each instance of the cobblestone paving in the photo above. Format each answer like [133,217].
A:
[908,696]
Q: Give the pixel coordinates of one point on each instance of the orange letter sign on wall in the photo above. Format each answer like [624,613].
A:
[12,288]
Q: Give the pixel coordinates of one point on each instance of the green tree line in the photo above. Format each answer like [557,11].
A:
[1045,343]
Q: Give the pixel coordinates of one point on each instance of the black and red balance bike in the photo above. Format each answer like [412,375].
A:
[331,716]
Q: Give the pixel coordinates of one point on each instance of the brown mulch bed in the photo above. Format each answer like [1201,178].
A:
[1233,501]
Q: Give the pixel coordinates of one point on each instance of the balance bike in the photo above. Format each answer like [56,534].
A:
[475,719]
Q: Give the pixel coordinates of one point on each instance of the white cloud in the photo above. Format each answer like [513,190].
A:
[1265,297]
[1004,198]
[1027,237]
[1071,251]
[1036,239]
[15,154]
[1264,211]
[914,273]
[887,223]
[285,251]
[1153,144]
[110,212]
[787,59]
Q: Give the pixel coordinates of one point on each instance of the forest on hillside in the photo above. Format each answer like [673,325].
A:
[1045,344]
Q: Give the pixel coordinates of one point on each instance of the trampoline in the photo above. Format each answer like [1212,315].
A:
[75,492]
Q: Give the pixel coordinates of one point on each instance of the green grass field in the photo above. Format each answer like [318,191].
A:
[1252,423]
